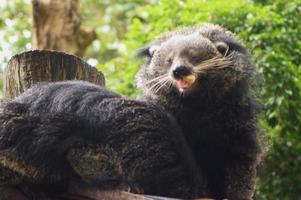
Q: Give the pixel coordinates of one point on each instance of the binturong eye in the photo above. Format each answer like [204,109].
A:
[222,48]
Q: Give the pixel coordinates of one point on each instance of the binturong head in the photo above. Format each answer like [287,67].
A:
[193,60]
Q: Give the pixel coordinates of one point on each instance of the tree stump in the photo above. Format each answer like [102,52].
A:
[26,69]
[57,26]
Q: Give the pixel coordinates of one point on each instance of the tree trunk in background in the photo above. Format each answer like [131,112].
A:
[57,26]
[28,68]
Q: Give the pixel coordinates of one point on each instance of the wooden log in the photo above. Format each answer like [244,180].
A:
[26,69]
[79,192]
[8,193]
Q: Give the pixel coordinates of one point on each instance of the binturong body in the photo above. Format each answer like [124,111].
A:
[58,133]
[203,77]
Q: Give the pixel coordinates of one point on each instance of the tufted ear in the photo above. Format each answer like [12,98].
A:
[146,51]
[142,52]
[222,47]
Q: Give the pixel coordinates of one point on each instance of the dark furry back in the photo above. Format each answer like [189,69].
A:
[56,132]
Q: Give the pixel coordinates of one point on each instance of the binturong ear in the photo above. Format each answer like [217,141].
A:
[146,51]
[222,47]
[142,52]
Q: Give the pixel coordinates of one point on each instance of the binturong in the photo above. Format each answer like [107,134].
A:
[203,77]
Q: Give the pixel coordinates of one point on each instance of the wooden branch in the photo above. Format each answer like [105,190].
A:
[78,191]
[8,193]
[57,26]
[28,68]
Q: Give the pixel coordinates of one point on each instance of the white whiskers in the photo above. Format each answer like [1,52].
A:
[157,83]
[213,63]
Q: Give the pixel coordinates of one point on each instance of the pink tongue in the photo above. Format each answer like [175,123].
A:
[182,84]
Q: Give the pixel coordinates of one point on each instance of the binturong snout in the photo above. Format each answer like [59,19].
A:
[184,76]
[181,71]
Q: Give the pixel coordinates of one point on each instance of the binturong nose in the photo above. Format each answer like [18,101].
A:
[181,71]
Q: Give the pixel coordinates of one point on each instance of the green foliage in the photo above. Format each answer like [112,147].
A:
[270,29]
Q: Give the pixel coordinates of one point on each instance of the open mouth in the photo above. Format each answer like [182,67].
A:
[185,82]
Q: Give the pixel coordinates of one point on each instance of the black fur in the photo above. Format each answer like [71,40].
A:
[57,132]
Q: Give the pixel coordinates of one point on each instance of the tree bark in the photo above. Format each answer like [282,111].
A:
[28,68]
[57,26]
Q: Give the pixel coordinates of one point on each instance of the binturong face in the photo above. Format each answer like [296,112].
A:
[186,61]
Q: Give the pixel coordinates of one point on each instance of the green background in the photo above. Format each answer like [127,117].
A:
[270,29]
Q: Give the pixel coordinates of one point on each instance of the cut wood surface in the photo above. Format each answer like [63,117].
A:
[26,69]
